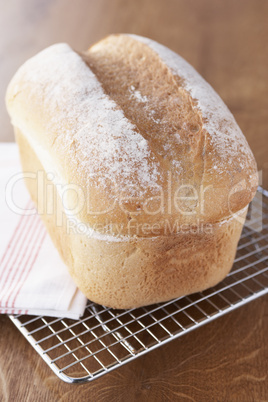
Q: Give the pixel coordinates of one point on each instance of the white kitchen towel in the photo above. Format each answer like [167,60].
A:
[33,278]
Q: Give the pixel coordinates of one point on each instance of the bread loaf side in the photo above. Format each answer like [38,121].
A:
[148,176]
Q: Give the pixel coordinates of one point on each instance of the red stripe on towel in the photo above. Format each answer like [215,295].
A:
[31,265]
[11,263]
[15,233]
[26,254]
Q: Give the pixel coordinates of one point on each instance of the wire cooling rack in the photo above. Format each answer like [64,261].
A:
[104,339]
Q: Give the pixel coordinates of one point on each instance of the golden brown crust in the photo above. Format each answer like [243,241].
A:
[191,175]
[152,159]
[137,272]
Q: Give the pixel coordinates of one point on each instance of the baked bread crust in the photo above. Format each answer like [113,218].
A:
[85,137]
[136,271]
[142,153]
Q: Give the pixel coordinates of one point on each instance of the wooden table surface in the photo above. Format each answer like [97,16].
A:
[226,41]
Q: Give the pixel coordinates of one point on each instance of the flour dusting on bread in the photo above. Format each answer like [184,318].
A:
[87,123]
[219,122]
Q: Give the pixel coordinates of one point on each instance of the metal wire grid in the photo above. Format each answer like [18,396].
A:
[104,339]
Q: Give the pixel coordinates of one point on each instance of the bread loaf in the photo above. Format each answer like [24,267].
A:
[138,169]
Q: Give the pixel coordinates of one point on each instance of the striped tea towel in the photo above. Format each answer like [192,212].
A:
[33,278]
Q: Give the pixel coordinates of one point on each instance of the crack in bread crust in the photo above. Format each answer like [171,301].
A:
[137,96]
[152,98]
[83,118]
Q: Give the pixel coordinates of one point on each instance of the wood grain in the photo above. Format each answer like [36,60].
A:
[226,41]
[225,360]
